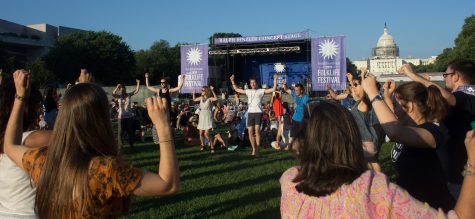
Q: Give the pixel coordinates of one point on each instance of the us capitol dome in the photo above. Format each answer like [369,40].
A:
[385,59]
[386,47]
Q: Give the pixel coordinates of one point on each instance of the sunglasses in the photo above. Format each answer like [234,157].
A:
[163,82]
[447,74]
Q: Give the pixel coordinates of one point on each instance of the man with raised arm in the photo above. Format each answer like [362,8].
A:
[254,117]
[300,99]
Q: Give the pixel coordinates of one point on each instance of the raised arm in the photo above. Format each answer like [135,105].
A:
[195,99]
[407,70]
[214,98]
[181,81]
[114,92]
[465,207]
[12,142]
[150,88]
[334,95]
[137,88]
[410,136]
[274,88]
[286,88]
[167,179]
[235,87]
[349,76]
[389,88]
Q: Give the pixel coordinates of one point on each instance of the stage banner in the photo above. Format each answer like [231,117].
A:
[194,65]
[261,39]
[328,63]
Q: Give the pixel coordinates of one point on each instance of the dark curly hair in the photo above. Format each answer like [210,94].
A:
[32,110]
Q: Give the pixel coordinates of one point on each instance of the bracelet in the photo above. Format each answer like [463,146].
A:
[468,173]
[165,141]
[468,165]
[20,98]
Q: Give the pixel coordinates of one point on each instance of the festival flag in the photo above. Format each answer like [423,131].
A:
[328,63]
[194,65]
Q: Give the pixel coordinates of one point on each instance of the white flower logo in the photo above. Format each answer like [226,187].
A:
[193,56]
[328,49]
[279,67]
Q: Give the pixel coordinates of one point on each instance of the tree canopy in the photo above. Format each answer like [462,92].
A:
[464,46]
[104,54]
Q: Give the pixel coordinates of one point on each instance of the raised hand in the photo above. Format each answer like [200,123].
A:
[85,77]
[232,78]
[193,92]
[364,70]
[327,87]
[369,85]
[349,76]
[137,81]
[470,146]
[389,86]
[211,88]
[276,76]
[146,75]
[406,69]
[22,83]
[158,111]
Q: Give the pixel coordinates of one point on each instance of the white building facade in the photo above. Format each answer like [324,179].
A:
[385,58]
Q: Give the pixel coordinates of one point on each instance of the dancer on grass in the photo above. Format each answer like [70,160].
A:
[254,117]
[206,121]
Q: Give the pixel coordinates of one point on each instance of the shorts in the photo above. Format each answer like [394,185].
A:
[295,128]
[254,119]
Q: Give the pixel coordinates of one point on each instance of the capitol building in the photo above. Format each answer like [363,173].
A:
[385,58]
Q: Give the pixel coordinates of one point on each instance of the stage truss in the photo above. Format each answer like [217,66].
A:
[255,51]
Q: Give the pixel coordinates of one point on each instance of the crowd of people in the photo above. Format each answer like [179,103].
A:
[74,168]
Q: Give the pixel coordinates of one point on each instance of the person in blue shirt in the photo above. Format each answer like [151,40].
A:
[300,99]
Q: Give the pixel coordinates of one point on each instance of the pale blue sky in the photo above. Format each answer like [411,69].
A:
[421,28]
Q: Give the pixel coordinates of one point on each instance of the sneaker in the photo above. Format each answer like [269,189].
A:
[275,145]
[232,147]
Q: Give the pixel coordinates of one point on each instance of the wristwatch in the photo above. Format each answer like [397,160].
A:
[376,98]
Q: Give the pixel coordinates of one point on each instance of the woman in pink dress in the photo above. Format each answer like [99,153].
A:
[333,180]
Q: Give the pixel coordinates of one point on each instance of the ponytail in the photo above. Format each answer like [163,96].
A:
[437,107]
[429,100]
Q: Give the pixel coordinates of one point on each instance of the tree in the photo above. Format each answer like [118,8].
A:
[464,46]
[160,60]
[220,35]
[41,76]
[104,54]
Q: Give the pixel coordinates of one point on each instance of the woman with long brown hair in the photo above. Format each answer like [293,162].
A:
[206,122]
[80,174]
[333,180]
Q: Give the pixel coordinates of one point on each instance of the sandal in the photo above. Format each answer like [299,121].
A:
[202,148]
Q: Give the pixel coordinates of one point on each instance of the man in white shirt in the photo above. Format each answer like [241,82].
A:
[254,117]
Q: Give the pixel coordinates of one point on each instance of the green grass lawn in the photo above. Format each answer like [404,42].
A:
[224,185]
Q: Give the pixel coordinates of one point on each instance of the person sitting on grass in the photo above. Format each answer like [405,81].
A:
[80,174]
[191,135]
[230,138]
[333,179]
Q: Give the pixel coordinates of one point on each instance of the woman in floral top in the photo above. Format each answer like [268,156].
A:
[333,180]
[80,174]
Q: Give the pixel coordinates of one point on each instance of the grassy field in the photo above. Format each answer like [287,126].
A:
[223,185]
